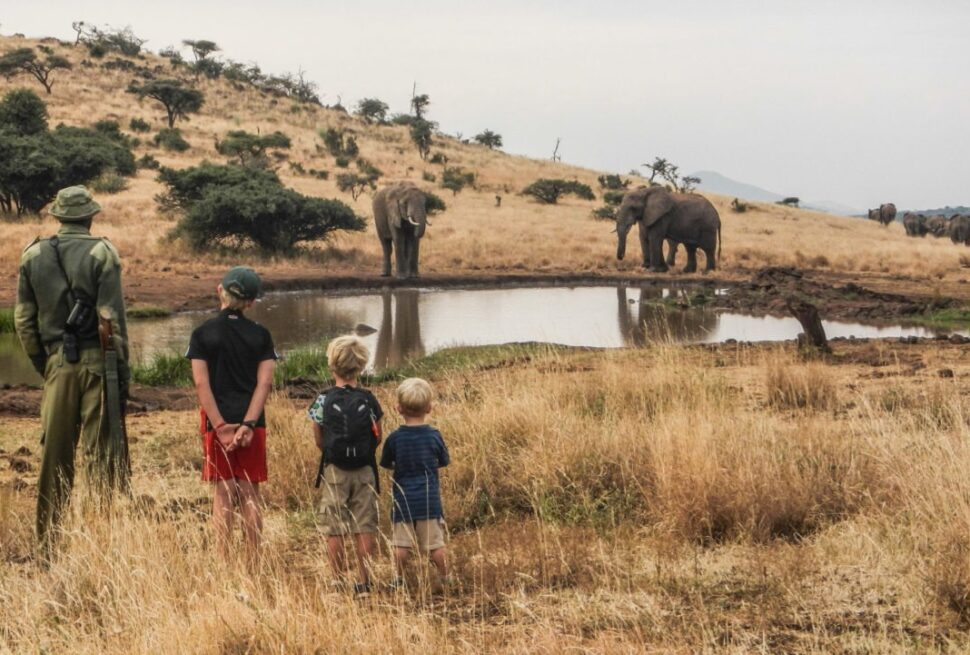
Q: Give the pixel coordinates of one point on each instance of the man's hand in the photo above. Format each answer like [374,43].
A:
[226,434]
[243,437]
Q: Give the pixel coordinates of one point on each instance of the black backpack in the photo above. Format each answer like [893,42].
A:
[350,429]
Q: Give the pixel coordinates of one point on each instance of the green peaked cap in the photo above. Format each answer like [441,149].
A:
[243,283]
[74,204]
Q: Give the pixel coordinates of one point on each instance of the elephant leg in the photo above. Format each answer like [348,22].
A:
[691,259]
[415,247]
[400,254]
[710,254]
[644,244]
[672,253]
[656,252]
[386,244]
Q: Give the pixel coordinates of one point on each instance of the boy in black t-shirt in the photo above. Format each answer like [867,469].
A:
[232,364]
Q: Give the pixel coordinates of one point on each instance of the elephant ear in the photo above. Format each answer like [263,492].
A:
[395,210]
[658,203]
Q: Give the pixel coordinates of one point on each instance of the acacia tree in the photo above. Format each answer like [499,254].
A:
[201,49]
[489,139]
[179,100]
[24,61]
[658,167]
[251,148]
[372,110]
[419,104]
[422,133]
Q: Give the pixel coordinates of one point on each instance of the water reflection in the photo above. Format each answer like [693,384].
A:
[642,318]
[398,338]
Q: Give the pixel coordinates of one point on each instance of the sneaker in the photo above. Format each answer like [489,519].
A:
[361,589]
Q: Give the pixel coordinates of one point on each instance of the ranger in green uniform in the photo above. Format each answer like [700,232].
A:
[66,282]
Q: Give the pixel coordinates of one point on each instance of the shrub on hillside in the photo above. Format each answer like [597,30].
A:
[23,112]
[549,191]
[428,176]
[109,182]
[264,214]
[606,213]
[372,111]
[439,158]
[148,162]
[357,183]
[185,187]
[170,138]
[612,182]
[139,125]
[739,207]
[433,204]
[613,198]
[422,134]
[402,119]
[35,163]
[489,139]
[251,149]
[455,179]
[340,143]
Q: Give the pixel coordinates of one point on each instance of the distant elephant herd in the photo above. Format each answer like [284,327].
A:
[957,227]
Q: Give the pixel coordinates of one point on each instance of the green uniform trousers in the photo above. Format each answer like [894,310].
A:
[70,412]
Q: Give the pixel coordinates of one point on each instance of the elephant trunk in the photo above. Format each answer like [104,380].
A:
[622,229]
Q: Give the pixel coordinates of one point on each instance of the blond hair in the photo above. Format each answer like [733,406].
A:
[414,395]
[347,356]
[230,301]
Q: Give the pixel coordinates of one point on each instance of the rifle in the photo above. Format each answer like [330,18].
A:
[115,450]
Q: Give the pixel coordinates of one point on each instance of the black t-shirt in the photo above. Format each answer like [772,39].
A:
[232,346]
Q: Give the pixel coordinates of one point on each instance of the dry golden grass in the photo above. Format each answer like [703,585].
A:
[473,236]
[630,501]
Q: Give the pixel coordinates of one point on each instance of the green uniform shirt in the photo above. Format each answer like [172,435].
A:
[94,268]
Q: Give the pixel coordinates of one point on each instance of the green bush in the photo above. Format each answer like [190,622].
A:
[139,125]
[320,175]
[372,111]
[253,209]
[613,198]
[163,370]
[439,158]
[35,165]
[109,182]
[178,99]
[606,213]
[489,139]
[455,179]
[340,143]
[185,187]
[428,176]
[6,321]
[342,162]
[738,206]
[433,204]
[148,162]
[251,149]
[612,182]
[402,119]
[23,112]
[422,134]
[170,138]
[549,191]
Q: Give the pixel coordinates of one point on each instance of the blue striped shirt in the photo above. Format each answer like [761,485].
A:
[415,452]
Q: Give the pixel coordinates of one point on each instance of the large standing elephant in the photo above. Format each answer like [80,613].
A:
[886,213]
[684,218]
[400,216]
[915,225]
[958,229]
[938,225]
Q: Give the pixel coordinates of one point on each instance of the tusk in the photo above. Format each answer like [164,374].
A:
[412,221]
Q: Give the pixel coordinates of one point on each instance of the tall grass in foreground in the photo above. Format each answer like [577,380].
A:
[623,501]
[6,320]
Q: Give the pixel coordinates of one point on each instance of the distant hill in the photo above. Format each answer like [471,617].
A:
[947,211]
[714,182]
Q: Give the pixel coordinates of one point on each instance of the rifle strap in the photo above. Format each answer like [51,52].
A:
[55,241]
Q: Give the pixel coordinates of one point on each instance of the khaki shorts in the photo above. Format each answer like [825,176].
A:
[349,503]
[427,535]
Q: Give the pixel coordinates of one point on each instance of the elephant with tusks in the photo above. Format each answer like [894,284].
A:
[400,216]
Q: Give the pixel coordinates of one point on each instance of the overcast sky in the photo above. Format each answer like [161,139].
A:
[857,102]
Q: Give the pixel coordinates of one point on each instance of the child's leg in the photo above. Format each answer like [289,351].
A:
[335,553]
[365,551]
[401,557]
[224,497]
[252,514]
[438,557]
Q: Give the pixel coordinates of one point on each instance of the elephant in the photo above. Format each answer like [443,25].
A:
[958,229]
[915,225]
[682,218]
[937,225]
[886,213]
[400,216]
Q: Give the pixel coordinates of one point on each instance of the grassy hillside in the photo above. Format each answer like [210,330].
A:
[472,237]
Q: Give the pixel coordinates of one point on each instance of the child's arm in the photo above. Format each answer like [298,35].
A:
[443,458]
[387,453]
[264,384]
[224,431]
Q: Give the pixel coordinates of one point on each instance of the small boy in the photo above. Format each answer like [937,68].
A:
[347,430]
[232,365]
[416,451]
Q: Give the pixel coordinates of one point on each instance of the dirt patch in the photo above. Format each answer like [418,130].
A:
[768,288]
[25,401]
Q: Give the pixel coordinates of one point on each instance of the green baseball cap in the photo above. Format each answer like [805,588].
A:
[74,204]
[243,283]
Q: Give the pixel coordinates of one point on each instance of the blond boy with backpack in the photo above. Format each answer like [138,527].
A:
[347,430]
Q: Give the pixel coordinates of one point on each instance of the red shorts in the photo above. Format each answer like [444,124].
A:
[241,464]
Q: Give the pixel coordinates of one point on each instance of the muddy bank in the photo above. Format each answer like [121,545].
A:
[25,401]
